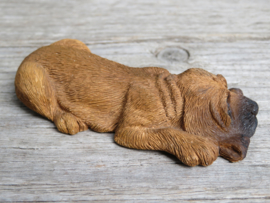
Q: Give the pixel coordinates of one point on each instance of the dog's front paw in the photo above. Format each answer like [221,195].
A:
[198,152]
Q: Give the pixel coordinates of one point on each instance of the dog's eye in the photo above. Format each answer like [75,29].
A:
[229,106]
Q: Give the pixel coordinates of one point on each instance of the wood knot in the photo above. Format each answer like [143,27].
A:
[173,55]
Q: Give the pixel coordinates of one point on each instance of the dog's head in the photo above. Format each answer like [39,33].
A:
[212,110]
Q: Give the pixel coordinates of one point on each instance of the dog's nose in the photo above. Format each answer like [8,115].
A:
[253,107]
[237,91]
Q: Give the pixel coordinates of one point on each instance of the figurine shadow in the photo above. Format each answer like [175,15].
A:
[15,101]
[170,156]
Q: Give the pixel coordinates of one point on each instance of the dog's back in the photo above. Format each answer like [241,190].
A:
[90,87]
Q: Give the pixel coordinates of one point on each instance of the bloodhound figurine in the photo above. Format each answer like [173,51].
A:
[193,115]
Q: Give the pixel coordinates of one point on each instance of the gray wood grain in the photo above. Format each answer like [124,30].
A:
[38,163]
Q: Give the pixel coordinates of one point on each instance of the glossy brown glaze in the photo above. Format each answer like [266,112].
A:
[193,115]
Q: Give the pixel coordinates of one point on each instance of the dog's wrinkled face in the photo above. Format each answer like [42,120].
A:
[212,110]
[242,111]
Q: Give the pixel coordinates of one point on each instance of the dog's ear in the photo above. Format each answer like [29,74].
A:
[220,78]
[219,110]
[234,148]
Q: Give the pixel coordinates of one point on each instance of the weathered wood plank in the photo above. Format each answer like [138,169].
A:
[40,164]
[89,166]
[30,22]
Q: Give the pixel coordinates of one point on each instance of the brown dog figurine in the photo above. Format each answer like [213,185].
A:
[193,115]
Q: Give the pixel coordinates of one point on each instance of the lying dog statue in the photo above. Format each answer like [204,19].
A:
[191,115]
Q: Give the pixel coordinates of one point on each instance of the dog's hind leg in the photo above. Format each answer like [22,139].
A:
[35,89]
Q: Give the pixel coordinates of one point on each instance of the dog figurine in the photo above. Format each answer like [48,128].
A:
[193,115]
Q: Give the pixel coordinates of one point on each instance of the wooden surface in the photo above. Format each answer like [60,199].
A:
[40,164]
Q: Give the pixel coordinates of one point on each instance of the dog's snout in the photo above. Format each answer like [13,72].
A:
[253,107]
[249,119]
